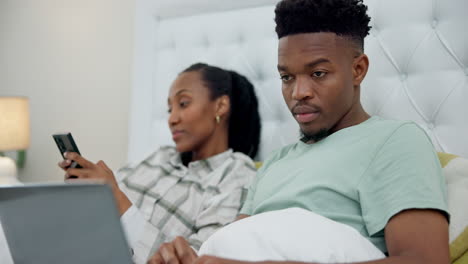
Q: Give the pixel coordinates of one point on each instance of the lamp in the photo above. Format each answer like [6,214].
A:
[14,134]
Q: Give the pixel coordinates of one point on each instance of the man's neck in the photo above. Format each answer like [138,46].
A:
[355,116]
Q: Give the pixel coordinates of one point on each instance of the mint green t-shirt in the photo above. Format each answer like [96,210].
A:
[360,176]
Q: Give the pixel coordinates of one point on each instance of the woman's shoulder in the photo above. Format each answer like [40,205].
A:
[243,160]
[237,171]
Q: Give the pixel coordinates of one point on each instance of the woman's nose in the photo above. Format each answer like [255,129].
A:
[173,117]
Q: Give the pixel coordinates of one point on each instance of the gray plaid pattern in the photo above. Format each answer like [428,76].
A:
[192,201]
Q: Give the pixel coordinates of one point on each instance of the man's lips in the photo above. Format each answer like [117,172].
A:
[306,117]
[305,113]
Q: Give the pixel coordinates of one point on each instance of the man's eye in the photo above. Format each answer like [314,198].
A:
[183,103]
[169,110]
[318,74]
[286,78]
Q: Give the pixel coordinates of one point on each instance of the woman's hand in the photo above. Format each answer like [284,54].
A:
[90,170]
[176,252]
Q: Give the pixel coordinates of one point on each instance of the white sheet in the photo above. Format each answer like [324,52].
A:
[291,234]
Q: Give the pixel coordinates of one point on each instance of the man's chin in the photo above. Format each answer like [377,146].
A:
[314,136]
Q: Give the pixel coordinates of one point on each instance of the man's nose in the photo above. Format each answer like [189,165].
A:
[303,89]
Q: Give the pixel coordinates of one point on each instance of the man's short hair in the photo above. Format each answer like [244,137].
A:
[346,18]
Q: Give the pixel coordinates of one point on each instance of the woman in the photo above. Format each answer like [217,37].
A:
[198,186]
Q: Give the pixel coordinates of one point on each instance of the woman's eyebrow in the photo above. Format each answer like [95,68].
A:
[183,90]
[178,92]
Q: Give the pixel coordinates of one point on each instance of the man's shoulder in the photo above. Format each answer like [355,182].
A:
[396,138]
[388,128]
[382,122]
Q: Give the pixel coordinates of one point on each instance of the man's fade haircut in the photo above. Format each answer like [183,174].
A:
[347,18]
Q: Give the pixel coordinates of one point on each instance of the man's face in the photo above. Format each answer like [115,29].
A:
[317,74]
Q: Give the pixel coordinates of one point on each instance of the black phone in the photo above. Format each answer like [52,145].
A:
[65,143]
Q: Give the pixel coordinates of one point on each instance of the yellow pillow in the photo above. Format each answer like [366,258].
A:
[258,164]
[459,248]
[445,158]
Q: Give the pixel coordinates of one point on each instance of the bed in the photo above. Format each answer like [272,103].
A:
[418,54]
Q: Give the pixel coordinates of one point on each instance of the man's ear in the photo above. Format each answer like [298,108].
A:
[223,104]
[360,67]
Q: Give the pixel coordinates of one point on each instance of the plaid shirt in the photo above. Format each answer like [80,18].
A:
[170,199]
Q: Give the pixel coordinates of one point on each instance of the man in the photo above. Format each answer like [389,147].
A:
[378,176]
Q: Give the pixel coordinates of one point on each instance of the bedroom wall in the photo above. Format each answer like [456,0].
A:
[73,59]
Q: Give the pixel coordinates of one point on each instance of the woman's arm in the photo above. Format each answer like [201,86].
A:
[99,171]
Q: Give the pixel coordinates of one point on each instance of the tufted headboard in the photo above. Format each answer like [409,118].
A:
[418,53]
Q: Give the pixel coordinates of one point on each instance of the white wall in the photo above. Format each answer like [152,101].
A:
[73,59]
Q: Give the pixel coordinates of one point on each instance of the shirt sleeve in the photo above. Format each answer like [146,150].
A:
[141,235]
[132,222]
[217,210]
[404,174]
[248,205]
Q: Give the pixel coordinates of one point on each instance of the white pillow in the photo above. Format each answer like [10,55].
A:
[456,175]
[291,234]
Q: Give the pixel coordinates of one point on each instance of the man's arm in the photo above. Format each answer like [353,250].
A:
[412,237]
[417,236]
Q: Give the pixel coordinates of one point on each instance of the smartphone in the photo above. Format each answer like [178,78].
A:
[65,143]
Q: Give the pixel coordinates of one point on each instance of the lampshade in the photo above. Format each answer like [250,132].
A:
[14,123]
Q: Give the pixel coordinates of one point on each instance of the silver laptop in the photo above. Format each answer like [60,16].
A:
[62,223]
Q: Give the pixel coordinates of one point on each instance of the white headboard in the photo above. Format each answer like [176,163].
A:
[418,54]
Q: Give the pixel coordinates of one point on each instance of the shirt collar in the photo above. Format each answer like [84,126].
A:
[208,164]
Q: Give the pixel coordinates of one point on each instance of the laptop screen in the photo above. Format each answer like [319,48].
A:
[62,223]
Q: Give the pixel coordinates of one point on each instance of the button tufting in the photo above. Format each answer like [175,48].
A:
[412,98]
[206,42]
[240,39]
[403,77]
[260,76]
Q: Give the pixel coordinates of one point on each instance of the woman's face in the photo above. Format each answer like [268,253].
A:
[192,114]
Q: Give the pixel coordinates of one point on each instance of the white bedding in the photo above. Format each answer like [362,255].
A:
[291,234]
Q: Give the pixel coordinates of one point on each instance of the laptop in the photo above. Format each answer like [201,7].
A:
[62,223]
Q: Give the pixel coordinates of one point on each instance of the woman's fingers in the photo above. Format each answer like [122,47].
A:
[185,253]
[64,164]
[79,159]
[156,259]
[78,173]
[103,165]
[169,254]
